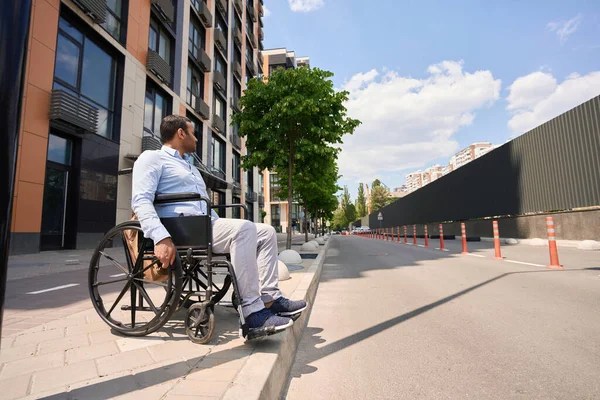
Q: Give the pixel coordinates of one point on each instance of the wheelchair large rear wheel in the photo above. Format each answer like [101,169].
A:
[122,295]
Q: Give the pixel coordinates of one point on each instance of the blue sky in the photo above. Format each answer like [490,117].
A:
[428,78]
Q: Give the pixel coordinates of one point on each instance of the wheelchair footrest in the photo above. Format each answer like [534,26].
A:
[261,332]
[127,308]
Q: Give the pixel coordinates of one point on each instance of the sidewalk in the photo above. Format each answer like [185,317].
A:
[69,353]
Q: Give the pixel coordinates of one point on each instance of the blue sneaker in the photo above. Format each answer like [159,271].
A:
[287,308]
[267,321]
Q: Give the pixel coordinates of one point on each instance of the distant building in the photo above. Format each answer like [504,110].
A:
[470,153]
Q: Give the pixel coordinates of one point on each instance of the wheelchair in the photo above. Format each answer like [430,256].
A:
[198,279]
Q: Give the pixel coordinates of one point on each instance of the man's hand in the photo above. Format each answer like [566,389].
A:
[165,252]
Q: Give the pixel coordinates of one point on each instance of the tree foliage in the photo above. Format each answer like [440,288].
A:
[361,202]
[290,120]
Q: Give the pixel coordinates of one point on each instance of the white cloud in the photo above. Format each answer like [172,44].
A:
[305,5]
[565,28]
[408,122]
[267,12]
[537,98]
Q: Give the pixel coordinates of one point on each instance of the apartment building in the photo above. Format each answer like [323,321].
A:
[100,76]
[277,209]
[470,153]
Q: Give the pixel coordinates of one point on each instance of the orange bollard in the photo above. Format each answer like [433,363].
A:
[442,237]
[554,264]
[387,235]
[399,235]
[463,230]
[498,255]
[405,239]
[426,237]
[415,235]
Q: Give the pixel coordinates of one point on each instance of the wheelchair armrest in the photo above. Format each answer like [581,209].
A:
[166,198]
[232,206]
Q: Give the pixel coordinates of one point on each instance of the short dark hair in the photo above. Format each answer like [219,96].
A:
[170,124]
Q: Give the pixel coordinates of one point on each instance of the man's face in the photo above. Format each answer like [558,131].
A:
[190,140]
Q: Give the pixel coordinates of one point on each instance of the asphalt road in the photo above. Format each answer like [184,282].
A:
[392,321]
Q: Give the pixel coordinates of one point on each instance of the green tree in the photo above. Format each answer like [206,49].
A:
[288,118]
[361,202]
[348,209]
[379,196]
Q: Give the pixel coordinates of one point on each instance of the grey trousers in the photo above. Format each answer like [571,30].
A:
[253,250]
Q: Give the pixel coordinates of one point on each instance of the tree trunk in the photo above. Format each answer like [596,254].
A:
[288,243]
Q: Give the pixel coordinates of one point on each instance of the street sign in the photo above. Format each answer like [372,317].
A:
[301,214]
[328,224]
[380,216]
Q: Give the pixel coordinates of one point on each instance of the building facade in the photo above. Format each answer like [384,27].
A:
[469,154]
[276,208]
[100,76]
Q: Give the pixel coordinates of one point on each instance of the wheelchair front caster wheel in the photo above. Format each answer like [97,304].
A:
[200,323]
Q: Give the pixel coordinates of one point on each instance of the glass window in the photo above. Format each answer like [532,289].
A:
[155,109]
[218,154]
[152,39]
[219,107]
[160,41]
[217,199]
[97,74]
[250,207]
[113,18]
[195,85]
[198,132]
[70,30]
[220,64]
[236,210]
[197,37]
[67,60]
[59,150]
[237,172]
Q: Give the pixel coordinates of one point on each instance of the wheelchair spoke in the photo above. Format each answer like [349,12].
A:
[133,304]
[115,262]
[152,282]
[146,268]
[109,282]
[140,260]
[127,253]
[148,299]
[125,289]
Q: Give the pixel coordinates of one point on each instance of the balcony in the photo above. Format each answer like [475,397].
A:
[202,108]
[150,141]
[218,124]
[204,14]
[159,67]
[222,6]
[237,36]
[202,59]
[95,9]
[250,195]
[250,10]
[235,104]
[261,200]
[239,6]
[261,9]
[218,172]
[252,38]
[220,82]
[261,34]
[71,109]
[166,9]
[220,40]
[236,190]
[237,70]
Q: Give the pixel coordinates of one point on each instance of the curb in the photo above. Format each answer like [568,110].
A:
[266,372]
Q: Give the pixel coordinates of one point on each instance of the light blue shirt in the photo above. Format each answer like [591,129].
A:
[160,172]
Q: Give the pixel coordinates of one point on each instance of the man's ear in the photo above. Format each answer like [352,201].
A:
[181,133]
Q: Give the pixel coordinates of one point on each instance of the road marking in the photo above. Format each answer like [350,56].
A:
[117,275]
[475,255]
[437,248]
[54,288]
[525,263]
[420,245]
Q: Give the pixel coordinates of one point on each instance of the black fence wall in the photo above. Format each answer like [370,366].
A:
[555,166]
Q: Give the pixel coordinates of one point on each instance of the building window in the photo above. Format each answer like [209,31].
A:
[198,132]
[155,109]
[220,21]
[250,207]
[275,216]
[195,85]
[218,198]
[220,65]
[274,186]
[219,107]
[218,154]
[159,40]
[85,70]
[197,38]
[249,22]
[112,25]
[236,210]
[237,171]
[261,183]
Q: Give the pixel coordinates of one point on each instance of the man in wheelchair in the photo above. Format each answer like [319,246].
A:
[252,247]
